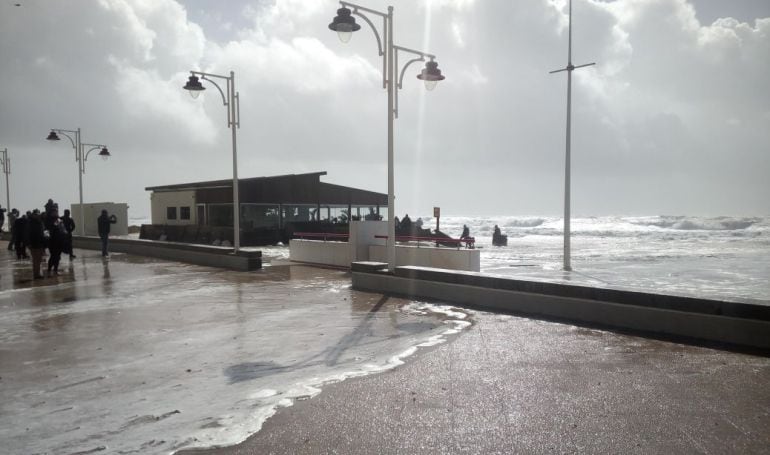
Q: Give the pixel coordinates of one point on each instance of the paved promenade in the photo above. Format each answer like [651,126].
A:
[514,385]
[150,356]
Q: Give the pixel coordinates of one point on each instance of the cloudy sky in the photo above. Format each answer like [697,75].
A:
[673,119]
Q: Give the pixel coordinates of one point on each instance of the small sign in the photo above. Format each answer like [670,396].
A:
[436,212]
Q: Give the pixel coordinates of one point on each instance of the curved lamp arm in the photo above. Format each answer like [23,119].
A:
[72,141]
[380,48]
[224,97]
[420,58]
[93,147]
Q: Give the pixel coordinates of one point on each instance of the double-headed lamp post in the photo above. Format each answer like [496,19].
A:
[392,79]
[231,100]
[4,161]
[81,155]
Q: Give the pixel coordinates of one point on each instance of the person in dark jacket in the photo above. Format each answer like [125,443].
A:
[56,241]
[69,228]
[104,222]
[20,237]
[2,217]
[12,216]
[37,242]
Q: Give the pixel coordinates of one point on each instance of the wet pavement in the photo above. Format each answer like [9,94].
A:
[136,355]
[515,385]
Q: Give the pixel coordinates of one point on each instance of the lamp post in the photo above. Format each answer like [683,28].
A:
[231,100]
[81,155]
[6,163]
[392,79]
[569,68]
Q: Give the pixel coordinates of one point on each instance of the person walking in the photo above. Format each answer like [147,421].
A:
[37,242]
[69,228]
[55,242]
[104,221]
[20,236]
[2,217]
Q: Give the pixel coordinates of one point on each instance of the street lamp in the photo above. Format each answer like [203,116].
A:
[6,163]
[569,68]
[232,101]
[392,79]
[81,155]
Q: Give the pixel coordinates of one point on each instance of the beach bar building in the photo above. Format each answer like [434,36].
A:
[271,209]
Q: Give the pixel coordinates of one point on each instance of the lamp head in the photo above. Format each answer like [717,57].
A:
[104,153]
[52,136]
[194,86]
[344,24]
[430,75]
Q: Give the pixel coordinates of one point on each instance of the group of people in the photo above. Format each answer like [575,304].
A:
[36,232]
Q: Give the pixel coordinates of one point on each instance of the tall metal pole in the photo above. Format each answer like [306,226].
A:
[567,163]
[391,245]
[7,172]
[568,158]
[81,169]
[231,95]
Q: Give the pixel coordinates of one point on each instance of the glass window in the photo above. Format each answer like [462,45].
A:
[184,213]
[259,216]
[170,213]
[220,214]
[298,213]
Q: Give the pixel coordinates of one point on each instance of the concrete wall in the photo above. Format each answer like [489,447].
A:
[363,246]
[725,322]
[430,256]
[362,236]
[92,212]
[194,254]
[320,252]
[160,201]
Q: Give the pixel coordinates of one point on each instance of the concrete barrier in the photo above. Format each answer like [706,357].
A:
[211,256]
[430,256]
[735,323]
[320,252]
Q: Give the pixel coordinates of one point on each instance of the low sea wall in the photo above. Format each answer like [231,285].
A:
[211,256]
[735,323]
[342,254]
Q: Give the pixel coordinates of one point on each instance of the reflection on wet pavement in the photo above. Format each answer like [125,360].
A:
[141,355]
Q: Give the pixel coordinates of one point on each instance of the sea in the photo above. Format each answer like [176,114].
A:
[722,257]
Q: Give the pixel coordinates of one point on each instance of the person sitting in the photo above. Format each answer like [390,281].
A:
[466,232]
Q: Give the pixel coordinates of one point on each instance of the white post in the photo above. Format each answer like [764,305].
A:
[391,244]
[7,171]
[567,163]
[81,169]
[236,201]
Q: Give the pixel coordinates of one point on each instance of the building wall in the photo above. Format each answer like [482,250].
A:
[92,212]
[161,201]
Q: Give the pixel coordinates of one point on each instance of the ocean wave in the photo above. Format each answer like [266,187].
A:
[681,223]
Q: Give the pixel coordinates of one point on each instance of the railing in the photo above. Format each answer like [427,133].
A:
[469,242]
[321,235]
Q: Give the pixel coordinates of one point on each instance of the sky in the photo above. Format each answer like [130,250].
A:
[674,118]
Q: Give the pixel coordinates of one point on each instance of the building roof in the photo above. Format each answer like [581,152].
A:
[228,183]
[279,189]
